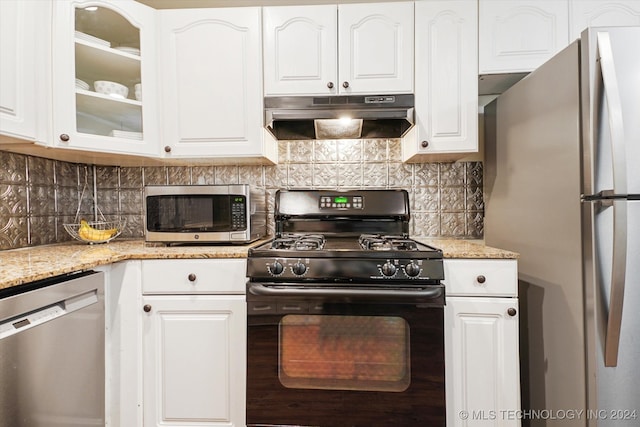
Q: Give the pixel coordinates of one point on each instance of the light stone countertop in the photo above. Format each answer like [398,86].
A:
[19,266]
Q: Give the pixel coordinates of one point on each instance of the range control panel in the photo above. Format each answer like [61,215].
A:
[341,202]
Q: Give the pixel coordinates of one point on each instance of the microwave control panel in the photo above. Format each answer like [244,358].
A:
[238,212]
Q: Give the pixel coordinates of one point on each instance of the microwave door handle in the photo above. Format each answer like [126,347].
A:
[619,257]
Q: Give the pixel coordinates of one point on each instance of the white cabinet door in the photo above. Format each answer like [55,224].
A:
[344,49]
[194,360]
[602,13]
[300,45]
[482,361]
[447,80]
[376,47]
[520,35]
[24,26]
[97,40]
[211,65]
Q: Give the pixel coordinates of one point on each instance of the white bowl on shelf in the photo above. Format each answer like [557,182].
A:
[81,84]
[113,89]
[137,90]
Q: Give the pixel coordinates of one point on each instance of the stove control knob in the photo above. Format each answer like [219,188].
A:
[276,268]
[388,269]
[412,269]
[299,268]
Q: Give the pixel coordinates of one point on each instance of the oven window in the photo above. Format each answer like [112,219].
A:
[344,352]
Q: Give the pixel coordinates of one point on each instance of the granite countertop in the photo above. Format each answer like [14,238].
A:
[18,266]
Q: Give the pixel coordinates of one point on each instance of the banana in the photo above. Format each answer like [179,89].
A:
[88,233]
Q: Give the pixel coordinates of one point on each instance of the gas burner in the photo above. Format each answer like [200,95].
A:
[299,242]
[378,242]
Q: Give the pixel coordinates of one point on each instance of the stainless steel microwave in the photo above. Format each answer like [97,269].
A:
[204,213]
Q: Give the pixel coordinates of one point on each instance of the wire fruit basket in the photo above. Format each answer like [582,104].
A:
[101,230]
[95,231]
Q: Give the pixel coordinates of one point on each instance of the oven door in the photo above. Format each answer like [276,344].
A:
[327,357]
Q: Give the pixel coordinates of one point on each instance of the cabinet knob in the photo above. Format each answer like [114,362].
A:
[147,308]
[64,137]
[345,84]
[481,279]
[191,277]
[511,311]
[167,149]
[424,144]
[330,85]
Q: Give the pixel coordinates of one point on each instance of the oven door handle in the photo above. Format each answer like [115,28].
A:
[432,292]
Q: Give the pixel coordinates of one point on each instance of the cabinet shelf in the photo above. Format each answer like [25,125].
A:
[120,114]
[95,62]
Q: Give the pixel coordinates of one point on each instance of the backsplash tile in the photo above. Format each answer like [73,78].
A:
[38,196]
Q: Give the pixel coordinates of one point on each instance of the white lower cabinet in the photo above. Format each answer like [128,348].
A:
[193,363]
[177,343]
[481,343]
[194,342]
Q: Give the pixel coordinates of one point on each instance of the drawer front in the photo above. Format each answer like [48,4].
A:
[194,276]
[481,277]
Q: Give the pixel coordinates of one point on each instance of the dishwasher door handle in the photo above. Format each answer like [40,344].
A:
[50,312]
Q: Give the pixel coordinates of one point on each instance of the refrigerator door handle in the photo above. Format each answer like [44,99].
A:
[618,277]
[614,105]
[618,154]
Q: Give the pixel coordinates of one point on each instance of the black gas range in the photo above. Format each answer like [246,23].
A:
[345,309]
[356,239]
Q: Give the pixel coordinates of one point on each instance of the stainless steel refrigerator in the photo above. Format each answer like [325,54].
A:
[562,188]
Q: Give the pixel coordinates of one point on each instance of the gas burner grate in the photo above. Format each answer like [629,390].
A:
[378,242]
[299,242]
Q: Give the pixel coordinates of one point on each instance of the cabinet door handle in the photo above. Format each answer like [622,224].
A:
[424,144]
[330,85]
[167,149]
[191,277]
[64,137]
[511,311]
[481,279]
[345,84]
[146,308]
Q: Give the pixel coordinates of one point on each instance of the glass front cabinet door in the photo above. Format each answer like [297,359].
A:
[105,89]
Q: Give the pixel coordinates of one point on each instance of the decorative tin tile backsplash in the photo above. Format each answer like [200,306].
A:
[37,196]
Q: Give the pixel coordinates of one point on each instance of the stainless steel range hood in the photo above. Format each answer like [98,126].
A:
[339,117]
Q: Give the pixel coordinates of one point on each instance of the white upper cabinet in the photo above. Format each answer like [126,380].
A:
[446,93]
[602,13]
[344,49]
[105,41]
[376,44]
[24,38]
[300,50]
[520,35]
[211,70]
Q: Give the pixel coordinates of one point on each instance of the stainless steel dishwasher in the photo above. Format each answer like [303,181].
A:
[52,365]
